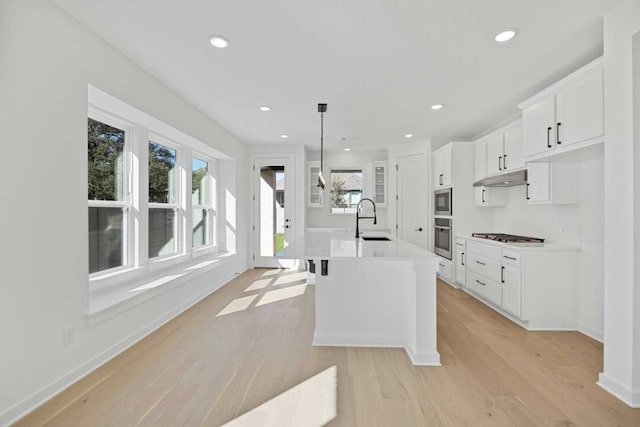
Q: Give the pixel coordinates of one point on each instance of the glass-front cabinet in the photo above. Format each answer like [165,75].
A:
[314,194]
[379,175]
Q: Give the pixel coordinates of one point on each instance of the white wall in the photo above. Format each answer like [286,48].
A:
[48,59]
[321,217]
[580,225]
[621,373]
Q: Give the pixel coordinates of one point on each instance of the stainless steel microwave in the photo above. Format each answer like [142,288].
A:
[443,202]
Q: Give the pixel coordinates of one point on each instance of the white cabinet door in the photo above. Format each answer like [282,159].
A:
[437,169]
[314,195]
[447,166]
[480,160]
[495,152]
[480,196]
[442,167]
[513,149]
[379,190]
[512,290]
[539,183]
[538,127]
[580,115]
[461,269]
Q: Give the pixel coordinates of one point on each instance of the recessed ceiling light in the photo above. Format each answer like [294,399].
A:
[284,136]
[264,108]
[505,36]
[437,107]
[409,135]
[506,182]
[218,41]
[347,149]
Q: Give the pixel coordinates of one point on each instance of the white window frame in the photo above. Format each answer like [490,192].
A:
[338,169]
[140,128]
[128,238]
[180,214]
[210,205]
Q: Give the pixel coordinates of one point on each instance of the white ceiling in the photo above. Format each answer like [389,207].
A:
[379,64]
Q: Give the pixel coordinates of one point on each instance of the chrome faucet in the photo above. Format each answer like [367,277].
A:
[358,217]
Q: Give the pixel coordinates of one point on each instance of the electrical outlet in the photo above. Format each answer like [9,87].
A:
[68,336]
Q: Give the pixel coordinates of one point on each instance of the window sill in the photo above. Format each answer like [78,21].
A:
[105,302]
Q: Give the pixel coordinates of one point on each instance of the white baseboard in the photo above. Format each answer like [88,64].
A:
[593,333]
[357,341]
[418,359]
[628,396]
[21,409]
[424,359]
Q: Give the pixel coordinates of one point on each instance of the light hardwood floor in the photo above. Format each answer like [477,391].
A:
[213,364]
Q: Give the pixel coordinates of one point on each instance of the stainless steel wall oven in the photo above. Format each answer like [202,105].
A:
[442,237]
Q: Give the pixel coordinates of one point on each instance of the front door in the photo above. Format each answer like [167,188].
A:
[273,212]
[413,200]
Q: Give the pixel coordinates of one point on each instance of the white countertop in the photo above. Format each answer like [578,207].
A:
[332,245]
[523,246]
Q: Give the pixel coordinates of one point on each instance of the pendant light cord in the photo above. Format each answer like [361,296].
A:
[321,143]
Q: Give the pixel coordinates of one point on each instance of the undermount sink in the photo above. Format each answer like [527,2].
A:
[379,238]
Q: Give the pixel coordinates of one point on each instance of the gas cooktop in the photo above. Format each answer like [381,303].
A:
[508,238]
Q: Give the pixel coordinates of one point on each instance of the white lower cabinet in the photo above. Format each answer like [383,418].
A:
[512,289]
[485,287]
[461,262]
[446,270]
[538,287]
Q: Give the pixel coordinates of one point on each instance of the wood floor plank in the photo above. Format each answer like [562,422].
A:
[213,364]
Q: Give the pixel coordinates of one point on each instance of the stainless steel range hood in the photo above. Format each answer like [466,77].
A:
[505,180]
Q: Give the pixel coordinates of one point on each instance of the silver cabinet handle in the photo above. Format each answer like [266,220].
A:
[509,257]
[483,284]
[481,263]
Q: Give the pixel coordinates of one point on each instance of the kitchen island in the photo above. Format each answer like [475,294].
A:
[372,293]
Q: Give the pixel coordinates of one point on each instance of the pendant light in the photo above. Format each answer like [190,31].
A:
[322,108]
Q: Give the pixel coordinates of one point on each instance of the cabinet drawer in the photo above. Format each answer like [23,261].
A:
[484,266]
[511,258]
[488,289]
[489,251]
[446,269]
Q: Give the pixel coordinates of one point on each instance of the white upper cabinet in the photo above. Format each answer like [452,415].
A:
[442,167]
[580,110]
[480,160]
[499,152]
[538,123]
[314,195]
[512,158]
[495,154]
[566,116]
[538,187]
[379,175]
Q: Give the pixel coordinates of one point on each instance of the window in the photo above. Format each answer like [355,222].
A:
[142,218]
[346,190]
[108,200]
[200,203]
[163,201]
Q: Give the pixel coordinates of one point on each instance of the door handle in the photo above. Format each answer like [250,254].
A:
[549,137]
[483,190]
[483,284]
[528,198]
[481,263]
[502,274]
[558,133]
[500,163]
[462,258]
[504,162]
